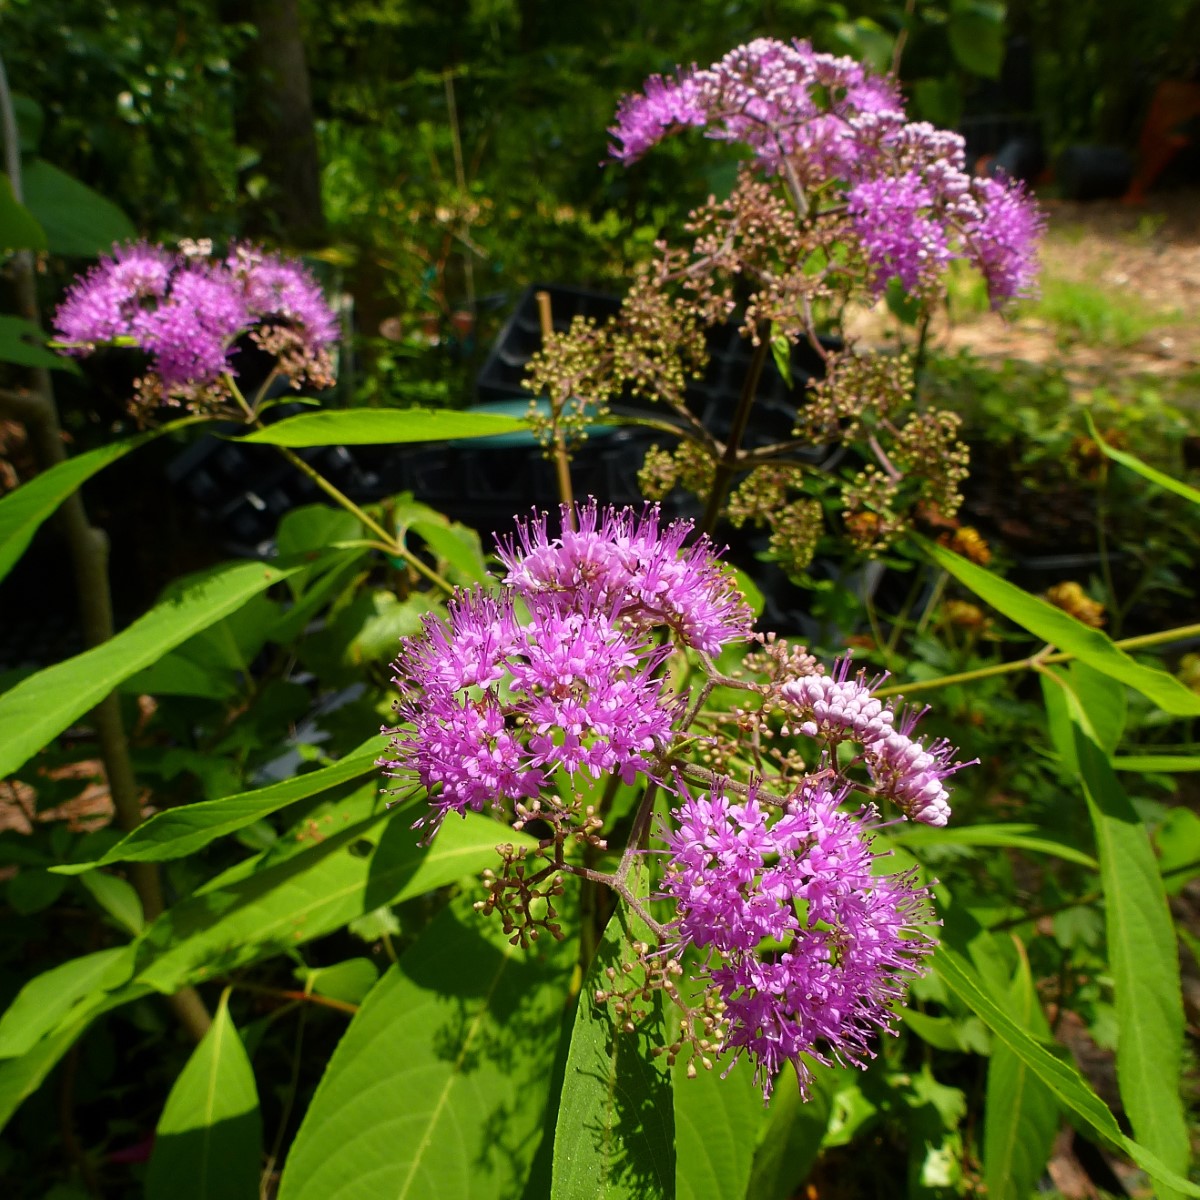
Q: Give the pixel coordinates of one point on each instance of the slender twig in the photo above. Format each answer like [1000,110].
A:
[88,548]
[294,996]
[289,1101]
[391,543]
[1041,658]
[562,460]
[727,466]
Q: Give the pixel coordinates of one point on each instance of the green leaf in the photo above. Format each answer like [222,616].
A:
[21,1077]
[118,898]
[1021,1115]
[209,1139]
[1015,836]
[32,890]
[792,1136]
[615,1130]
[383,426]
[23,510]
[1061,1077]
[1155,476]
[1059,629]
[23,343]
[438,1087]
[348,981]
[1178,843]
[45,704]
[717,1123]
[176,832]
[976,32]
[76,219]
[269,909]
[19,229]
[1149,764]
[1142,955]
[46,999]
[458,544]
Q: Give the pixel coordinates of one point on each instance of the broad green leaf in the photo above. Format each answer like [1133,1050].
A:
[22,342]
[209,1139]
[180,831]
[1149,764]
[76,219]
[1154,475]
[45,704]
[615,1131]
[21,1077]
[46,999]
[1021,1114]
[1142,955]
[1061,1077]
[23,510]
[273,908]
[1059,629]
[717,1123]
[19,229]
[383,426]
[438,1087]
[792,1135]
[976,33]
[1016,836]
[118,898]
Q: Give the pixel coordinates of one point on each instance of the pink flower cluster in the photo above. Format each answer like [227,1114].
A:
[830,126]
[187,312]
[806,945]
[836,708]
[493,705]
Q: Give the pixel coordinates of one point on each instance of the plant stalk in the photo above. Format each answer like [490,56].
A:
[88,548]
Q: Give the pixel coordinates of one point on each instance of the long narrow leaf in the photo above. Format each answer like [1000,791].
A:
[383,426]
[1062,1078]
[43,705]
[277,907]
[1143,957]
[437,1090]
[1155,476]
[1021,1114]
[1017,837]
[23,510]
[209,1140]
[180,831]
[1056,627]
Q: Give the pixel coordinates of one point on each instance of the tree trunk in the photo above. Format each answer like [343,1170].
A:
[276,119]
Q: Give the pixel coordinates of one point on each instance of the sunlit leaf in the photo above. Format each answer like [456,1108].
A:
[176,832]
[717,1122]
[438,1087]
[1021,1114]
[209,1139]
[45,704]
[1059,629]
[383,426]
[615,1132]
[1155,476]
[23,510]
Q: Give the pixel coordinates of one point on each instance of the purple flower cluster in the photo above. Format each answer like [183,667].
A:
[187,313]
[828,124]
[623,562]
[807,946]
[493,706]
[837,708]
